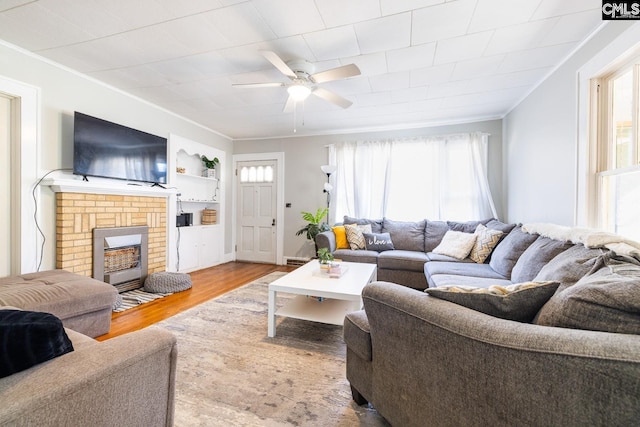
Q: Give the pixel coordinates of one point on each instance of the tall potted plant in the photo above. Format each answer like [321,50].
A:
[314,224]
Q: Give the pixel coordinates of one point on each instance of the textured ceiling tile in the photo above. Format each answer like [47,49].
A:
[411,57]
[550,8]
[340,12]
[442,22]
[462,48]
[333,43]
[432,75]
[391,32]
[519,37]
[501,13]
[477,67]
[289,18]
[571,28]
[391,7]
[45,29]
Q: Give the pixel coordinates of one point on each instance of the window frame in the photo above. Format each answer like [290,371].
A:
[602,125]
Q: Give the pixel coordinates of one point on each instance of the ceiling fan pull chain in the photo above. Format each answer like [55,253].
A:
[295,107]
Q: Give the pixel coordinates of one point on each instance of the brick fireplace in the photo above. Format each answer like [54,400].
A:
[77,214]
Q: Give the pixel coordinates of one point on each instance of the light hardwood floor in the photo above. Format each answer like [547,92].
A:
[208,283]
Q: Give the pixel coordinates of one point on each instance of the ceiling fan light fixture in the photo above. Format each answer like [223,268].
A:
[299,92]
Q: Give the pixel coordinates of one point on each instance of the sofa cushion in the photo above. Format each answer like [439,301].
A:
[357,334]
[437,280]
[378,242]
[28,338]
[607,300]
[355,235]
[466,227]
[406,235]
[486,241]
[341,237]
[402,260]
[519,302]
[444,258]
[508,251]
[349,255]
[536,256]
[456,244]
[495,224]
[434,231]
[571,265]
[376,224]
[65,294]
[462,269]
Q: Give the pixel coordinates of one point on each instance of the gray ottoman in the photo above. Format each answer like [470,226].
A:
[167,282]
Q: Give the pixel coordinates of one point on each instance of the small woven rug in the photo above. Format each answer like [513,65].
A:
[135,297]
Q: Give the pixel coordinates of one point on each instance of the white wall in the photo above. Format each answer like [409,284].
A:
[61,93]
[304,180]
[541,134]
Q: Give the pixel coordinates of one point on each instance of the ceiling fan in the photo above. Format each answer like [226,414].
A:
[304,80]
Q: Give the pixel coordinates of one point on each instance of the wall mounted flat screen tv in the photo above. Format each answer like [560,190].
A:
[109,150]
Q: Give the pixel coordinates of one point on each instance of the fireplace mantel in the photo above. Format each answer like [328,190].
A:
[97,186]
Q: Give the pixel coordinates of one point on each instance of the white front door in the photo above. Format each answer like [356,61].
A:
[5,186]
[256,211]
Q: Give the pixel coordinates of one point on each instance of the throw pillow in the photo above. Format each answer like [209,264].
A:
[607,300]
[341,237]
[355,236]
[378,242]
[456,244]
[519,302]
[507,253]
[537,256]
[28,338]
[486,240]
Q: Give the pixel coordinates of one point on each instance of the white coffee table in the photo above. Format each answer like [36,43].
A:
[340,295]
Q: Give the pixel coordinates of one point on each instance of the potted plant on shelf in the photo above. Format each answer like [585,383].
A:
[314,224]
[210,166]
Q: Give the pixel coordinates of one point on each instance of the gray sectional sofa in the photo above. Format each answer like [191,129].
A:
[413,242]
[128,380]
[438,357]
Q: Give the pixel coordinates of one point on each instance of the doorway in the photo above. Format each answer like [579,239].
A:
[6,238]
[258,207]
[256,223]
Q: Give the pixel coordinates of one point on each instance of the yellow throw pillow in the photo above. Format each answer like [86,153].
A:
[341,237]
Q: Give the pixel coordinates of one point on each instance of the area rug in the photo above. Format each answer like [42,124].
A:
[230,373]
[134,298]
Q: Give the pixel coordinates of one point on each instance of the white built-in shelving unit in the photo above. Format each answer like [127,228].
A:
[200,245]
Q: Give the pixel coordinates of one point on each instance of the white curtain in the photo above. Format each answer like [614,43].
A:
[442,177]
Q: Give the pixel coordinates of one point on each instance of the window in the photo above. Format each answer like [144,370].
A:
[412,179]
[256,174]
[618,161]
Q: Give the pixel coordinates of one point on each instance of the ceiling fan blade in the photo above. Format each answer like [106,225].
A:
[251,85]
[289,106]
[338,73]
[332,97]
[278,63]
